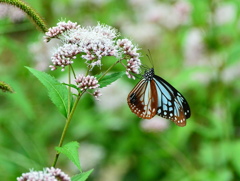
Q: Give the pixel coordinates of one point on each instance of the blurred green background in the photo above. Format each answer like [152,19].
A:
[195,45]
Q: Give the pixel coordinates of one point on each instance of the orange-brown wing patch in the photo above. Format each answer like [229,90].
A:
[143,100]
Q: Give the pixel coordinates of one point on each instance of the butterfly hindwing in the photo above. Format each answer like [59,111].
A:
[171,103]
[142,100]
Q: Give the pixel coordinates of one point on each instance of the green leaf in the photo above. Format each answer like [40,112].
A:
[57,92]
[82,176]
[71,151]
[108,79]
[72,85]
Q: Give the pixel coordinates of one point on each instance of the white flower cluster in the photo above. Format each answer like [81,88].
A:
[133,62]
[86,82]
[156,124]
[64,56]
[95,42]
[59,29]
[92,43]
[49,174]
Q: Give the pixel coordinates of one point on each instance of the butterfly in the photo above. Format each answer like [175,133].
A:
[154,95]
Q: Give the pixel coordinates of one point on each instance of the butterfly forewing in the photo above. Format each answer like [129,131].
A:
[172,105]
[142,100]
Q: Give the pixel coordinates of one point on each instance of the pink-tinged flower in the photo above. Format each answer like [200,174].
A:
[156,124]
[48,174]
[96,42]
[59,29]
[86,82]
[64,56]
[97,94]
[183,10]
[57,173]
[133,61]
[93,43]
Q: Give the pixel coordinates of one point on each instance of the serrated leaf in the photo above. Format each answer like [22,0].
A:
[71,85]
[57,92]
[71,151]
[82,176]
[108,79]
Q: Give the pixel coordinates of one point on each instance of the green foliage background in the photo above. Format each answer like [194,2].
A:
[206,149]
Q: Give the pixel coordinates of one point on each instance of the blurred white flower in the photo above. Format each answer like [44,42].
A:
[114,96]
[90,155]
[156,124]
[178,14]
[147,34]
[42,52]
[3,10]
[157,13]
[166,15]
[79,3]
[141,3]
[194,48]
[202,76]
[231,73]
[115,170]
[225,13]
[13,13]
[183,9]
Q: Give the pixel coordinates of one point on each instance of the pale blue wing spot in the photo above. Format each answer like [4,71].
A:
[163,89]
[165,107]
[164,100]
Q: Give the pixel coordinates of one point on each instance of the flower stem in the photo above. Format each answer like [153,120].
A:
[69,118]
[74,74]
[69,91]
[109,69]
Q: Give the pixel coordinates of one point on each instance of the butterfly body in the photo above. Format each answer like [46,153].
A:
[153,95]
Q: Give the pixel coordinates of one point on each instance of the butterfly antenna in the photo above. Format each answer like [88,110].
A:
[149,55]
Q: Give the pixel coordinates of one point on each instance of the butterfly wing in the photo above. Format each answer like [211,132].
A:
[143,99]
[171,103]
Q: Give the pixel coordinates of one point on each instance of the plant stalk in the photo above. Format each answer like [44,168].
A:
[29,11]
[69,118]
[109,69]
